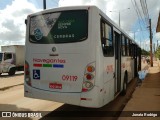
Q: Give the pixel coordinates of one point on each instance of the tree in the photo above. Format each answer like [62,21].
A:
[157,53]
[144,52]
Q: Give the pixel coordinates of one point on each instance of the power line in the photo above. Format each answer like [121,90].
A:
[138,15]
[145,11]
[139,30]
[138,12]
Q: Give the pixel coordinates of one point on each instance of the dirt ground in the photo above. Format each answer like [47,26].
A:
[146,98]
[8,81]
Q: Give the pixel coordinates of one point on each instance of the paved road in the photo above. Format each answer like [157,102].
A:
[12,99]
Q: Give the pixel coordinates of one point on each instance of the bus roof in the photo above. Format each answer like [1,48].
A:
[86,7]
[62,9]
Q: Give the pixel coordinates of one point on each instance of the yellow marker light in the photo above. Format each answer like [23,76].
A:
[90,68]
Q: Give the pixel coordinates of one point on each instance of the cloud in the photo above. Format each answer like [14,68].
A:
[109,5]
[157,36]
[99,3]
[12,21]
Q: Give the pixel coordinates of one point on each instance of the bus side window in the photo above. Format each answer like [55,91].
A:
[106,39]
[127,47]
[130,48]
[123,45]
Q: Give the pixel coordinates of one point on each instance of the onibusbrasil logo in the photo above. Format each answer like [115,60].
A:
[38,34]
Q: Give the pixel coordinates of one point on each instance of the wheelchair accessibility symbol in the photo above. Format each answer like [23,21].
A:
[36,74]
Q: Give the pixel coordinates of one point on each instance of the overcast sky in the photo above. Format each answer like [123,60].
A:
[14,12]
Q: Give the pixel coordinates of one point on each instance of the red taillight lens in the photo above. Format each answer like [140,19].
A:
[27,72]
[89,76]
[26,66]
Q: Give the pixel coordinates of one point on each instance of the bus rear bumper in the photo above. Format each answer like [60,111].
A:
[83,99]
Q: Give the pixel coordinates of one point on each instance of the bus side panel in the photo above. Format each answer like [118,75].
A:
[123,69]
[105,72]
[92,98]
[132,68]
[96,94]
[127,66]
[108,80]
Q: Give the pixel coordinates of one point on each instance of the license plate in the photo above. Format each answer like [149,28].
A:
[55,85]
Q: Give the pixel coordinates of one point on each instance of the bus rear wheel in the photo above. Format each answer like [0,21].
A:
[124,91]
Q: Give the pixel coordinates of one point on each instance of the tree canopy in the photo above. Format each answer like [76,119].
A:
[144,52]
[157,53]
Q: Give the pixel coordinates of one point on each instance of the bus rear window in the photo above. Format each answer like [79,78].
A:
[59,27]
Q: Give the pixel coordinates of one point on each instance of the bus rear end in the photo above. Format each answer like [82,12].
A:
[59,60]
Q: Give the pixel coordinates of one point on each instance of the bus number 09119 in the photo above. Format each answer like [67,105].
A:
[69,78]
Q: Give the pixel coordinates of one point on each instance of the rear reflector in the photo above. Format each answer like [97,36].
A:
[86,99]
[83,98]
[84,90]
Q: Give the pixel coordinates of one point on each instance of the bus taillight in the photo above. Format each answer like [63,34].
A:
[90,69]
[89,76]
[88,79]
[27,74]
[88,84]
[26,66]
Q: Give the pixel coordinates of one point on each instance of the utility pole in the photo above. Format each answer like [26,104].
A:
[151,54]
[44,4]
[154,47]
[119,12]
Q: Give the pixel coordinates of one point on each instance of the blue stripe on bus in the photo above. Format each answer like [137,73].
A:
[58,66]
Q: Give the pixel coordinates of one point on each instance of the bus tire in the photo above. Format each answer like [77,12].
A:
[12,71]
[124,91]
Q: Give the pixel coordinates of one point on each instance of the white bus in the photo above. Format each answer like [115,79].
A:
[77,55]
